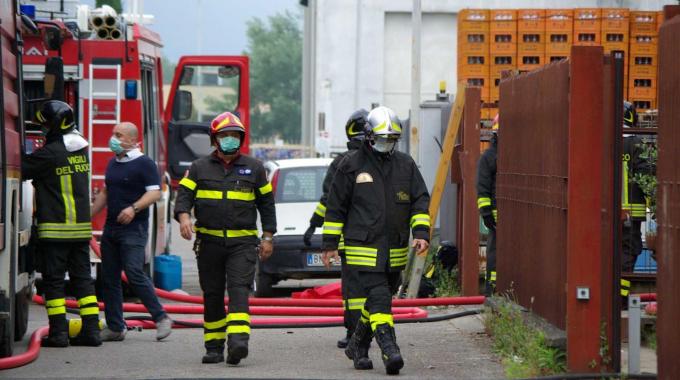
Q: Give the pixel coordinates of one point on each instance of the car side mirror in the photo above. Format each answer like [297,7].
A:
[183,105]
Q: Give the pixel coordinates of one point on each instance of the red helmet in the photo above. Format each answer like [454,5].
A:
[226,121]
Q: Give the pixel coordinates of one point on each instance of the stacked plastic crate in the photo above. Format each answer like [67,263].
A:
[615,33]
[530,39]
[503,28]
[559,27]
[473,51]
[642,82]
[587,27]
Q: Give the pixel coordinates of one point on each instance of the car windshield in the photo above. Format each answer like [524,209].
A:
[300,184]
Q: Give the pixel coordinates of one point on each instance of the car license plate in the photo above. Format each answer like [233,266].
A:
[314,260]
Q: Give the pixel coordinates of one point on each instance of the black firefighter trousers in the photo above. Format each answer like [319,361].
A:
[57,258]
[230,262]
[378,287]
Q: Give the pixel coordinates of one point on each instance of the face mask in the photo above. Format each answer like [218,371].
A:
[382,145]
[229,144]
[115,145]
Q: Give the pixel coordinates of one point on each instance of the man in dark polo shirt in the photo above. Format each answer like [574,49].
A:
[132,185]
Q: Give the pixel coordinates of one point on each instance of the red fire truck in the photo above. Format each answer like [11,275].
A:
[106,82]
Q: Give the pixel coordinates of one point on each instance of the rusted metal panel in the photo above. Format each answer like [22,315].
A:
[469,156]
[668,207]
[532,190]
[587,261]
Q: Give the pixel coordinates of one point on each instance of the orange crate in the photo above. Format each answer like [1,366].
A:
[473,70]
[477,81]
[473,42]
[549,58]
[559,20]
[484,115]
[644,92]
[474,20]
[530,62]
[643,104]
[659,20]
[503,42]
[531,20]
[587,26]
[643,44]
[643,22]
[643,71]
[615,19]
[503,20]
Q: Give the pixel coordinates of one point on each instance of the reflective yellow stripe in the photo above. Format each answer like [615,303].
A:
[398,262]
[87,300]
[381,319]
[361,262]
[55,302]
[492,277]
[341,243]
[65,234]
[625,283]
[483,202]
[230,233]
[241,196]
[320,210]
[241,233]
[420,220]
[625,292]
[356,303]
[430,272]
[64,226]
[495,214]
[332,228]
[56,310]
[238,317]
[359,249]
[365,316]
[624,194]
[216,324]
[89,310]
[209,194]
[266,189]
[398,251]
[214,335]
[238,329]
[189,184]
[69,202]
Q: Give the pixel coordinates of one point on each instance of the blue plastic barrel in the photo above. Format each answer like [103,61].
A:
[168,272]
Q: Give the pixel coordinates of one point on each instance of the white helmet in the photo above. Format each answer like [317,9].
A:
[384,129]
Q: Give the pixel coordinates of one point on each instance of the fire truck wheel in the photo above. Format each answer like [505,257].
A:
[23,299]
[5,338]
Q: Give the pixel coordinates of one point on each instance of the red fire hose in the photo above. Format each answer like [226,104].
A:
[30,355]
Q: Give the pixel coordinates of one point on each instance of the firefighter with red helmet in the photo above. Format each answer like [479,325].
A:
[60,171]
[225,190]
[353,295]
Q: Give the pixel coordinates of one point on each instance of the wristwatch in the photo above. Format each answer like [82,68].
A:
[267,238]
[134,208]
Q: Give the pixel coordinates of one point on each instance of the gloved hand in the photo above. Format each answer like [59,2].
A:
[489,221]
[307,238]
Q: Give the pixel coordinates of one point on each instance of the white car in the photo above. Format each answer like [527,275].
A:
[297,187]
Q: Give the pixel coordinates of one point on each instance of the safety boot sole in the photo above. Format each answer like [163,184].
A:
[59,342]
[236,354]
[86,341]
[212,359]
[393,364]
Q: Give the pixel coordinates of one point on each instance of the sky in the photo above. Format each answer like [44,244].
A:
[207,26]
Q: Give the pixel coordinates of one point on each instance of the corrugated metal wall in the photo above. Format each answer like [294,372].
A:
[668,285]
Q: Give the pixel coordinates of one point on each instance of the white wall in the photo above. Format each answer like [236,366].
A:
[363,52]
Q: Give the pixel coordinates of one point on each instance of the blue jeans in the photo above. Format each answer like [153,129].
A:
[122,248]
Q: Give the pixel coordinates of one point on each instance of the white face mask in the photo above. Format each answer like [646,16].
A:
[384,145]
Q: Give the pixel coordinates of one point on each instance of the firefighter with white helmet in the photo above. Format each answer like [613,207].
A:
[225,190]
[377,199]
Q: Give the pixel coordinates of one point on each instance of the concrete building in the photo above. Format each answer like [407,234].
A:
[358,52]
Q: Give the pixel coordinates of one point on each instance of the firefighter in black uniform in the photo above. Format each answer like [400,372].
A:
[226,190]
[633,199]
[60,171]
[376,196]
[352,293]
[486,202]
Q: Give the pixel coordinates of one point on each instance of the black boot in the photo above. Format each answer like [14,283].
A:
[58,335]
[89,334]
[342,343]
[213,355]
[387,340]
[357,348]
[237,348]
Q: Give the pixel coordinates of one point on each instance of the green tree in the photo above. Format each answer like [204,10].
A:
[115,4]
[275,51]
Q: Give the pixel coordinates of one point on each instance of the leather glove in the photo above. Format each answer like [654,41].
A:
[307,238]
[489,221]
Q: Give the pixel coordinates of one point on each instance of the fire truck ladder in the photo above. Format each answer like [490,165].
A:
[102,64]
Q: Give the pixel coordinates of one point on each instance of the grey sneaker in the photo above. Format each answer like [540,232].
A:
[163,328]
[108,335]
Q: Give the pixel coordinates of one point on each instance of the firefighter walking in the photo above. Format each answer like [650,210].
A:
[60,171]
[486,202]
[376,196]
[226,190]
[352,293]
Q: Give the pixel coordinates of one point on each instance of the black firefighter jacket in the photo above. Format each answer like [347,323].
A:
[486,180]
[632,196]
[60,171]
[374,200]
[226,201]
